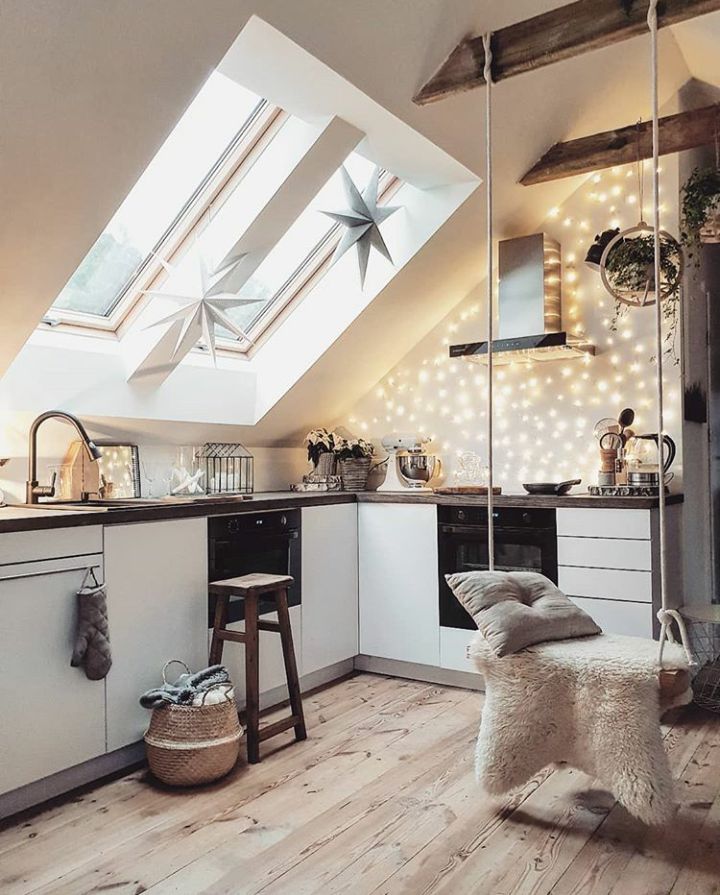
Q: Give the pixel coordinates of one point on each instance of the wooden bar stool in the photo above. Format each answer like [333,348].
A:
[250,588]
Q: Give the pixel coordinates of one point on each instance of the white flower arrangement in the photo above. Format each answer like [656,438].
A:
[353,448]
[319,441]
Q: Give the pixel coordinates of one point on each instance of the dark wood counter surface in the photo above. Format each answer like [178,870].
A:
[23,518]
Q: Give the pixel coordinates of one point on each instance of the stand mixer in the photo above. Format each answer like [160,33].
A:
[409,467]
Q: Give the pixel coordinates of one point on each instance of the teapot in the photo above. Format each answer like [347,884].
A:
[642,456]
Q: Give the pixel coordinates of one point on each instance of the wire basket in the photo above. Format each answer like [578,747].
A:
[229,468]
[703,624]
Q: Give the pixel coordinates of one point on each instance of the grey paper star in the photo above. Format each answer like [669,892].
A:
[362,219]
[206,306]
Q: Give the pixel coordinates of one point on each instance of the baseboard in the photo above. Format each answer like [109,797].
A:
[447,677]
[95,769]
[278,695]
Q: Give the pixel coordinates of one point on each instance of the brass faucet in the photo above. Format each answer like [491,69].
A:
[33,490]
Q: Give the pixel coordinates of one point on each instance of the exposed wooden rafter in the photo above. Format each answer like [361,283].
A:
[619,147]
[551,37]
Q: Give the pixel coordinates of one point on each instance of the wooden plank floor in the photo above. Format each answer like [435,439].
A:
[380,799]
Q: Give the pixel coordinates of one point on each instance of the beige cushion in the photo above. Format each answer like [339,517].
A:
[517,609]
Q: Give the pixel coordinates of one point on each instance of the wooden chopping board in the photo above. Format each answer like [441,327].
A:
[467,489]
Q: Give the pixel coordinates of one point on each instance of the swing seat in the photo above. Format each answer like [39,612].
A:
[591,702]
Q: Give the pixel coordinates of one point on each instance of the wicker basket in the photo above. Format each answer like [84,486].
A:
[191,744]
[354,473]
[703,624]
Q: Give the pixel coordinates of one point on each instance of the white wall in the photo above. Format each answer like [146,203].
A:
[544,414]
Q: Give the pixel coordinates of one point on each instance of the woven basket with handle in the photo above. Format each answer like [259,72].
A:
[191,744]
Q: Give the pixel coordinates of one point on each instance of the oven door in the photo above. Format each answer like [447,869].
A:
[275,553]
[464,548]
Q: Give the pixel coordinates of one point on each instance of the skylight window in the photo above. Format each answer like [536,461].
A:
[207,133]
[293,252]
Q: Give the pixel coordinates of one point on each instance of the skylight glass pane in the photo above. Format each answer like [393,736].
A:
[291,252]
[199,140]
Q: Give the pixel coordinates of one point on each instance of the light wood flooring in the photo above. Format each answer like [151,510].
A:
[380,799]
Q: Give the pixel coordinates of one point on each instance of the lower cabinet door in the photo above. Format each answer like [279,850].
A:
[329,585]
[399,602]
[51,716]
[157,577]
[619,616]
[453,649]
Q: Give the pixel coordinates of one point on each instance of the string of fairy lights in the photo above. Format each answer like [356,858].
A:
[544,411]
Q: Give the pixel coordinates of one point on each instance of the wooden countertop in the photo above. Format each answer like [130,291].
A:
[24,518]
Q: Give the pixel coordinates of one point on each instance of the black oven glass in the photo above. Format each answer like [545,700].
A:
[254,542]
[525,540]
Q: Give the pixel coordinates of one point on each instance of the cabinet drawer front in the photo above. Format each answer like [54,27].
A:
[619,617]
[589,523]
[30,546]
[606,584]
[605,553]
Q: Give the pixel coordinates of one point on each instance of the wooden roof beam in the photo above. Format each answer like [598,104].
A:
[551,37]
[620,147]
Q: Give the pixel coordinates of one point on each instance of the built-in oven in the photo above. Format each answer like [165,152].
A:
[254,542]
[525,540]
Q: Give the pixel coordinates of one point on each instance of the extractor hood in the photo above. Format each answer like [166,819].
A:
[529,307]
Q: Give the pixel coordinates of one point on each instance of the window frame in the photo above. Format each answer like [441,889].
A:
[231,167]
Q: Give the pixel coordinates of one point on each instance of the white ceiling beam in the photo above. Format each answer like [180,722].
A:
[319,151]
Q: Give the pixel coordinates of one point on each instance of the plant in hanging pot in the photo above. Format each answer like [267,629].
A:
[630,272]
[700,211]
[320,445]
[354,456]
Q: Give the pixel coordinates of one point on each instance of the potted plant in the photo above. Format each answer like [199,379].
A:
[320,446]
[354,456]
[701,208]
[630,268]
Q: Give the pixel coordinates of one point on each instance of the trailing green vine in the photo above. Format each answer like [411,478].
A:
[700,199]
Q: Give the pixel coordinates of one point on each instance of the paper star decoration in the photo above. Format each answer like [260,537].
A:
[206,305]
[362,219]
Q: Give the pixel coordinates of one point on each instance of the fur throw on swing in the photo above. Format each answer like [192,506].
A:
[593,703]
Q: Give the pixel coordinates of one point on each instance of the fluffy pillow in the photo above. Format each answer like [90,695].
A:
[517,609]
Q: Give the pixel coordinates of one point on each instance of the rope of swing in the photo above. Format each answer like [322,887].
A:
[665,615]
[487,46]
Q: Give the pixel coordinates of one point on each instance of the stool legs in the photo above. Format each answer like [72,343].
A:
[252,679]
[221,611]
[291,672]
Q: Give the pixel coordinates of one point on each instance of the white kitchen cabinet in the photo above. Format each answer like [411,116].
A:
[608,563]
[53,717]
[157,577]
[398,573]
[329,585]
[453,649]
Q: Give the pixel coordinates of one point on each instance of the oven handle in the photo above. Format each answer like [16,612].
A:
[482,530]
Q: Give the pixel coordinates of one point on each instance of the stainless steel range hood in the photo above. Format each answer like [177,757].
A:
[529,307]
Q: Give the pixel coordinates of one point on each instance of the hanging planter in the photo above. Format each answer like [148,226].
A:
[627,267]
[627,270]
[701,208]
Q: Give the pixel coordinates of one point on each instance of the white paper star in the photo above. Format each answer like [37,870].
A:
[362,219]
[206,307]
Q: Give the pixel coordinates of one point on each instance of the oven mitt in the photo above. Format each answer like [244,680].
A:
[92,639]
